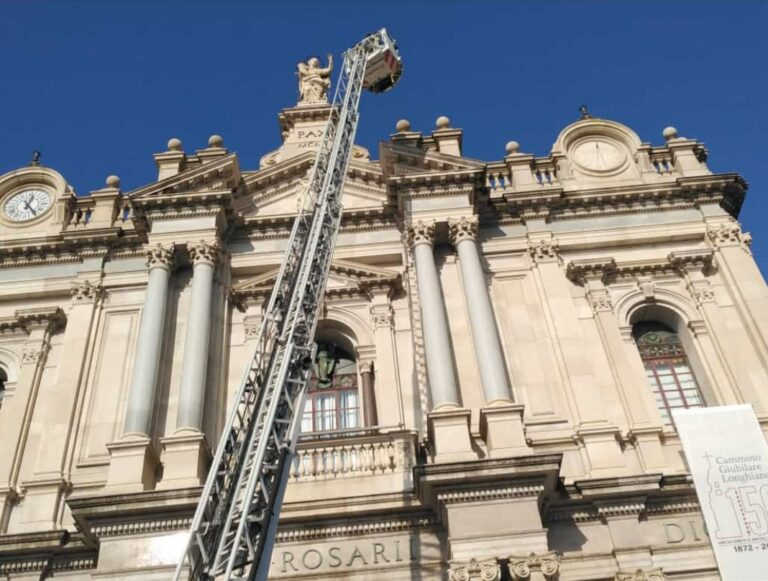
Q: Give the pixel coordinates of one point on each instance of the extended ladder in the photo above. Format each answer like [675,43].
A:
[233,529]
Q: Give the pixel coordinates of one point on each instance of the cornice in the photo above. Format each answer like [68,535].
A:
[46,551]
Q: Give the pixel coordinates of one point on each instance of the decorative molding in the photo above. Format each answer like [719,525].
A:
[544,250]
[32,354]
[161,256]
[464,228]
[354,529]
[86,292]
[729,234]
[522,568]
[139,526]
[474,570]
[205,252]
[640,575]
[484,494]
[647,286]
[251,325]
[421,233]
[620,509]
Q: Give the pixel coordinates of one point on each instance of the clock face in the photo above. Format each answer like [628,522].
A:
[598,155]
[27,205]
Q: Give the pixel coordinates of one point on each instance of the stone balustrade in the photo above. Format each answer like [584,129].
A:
[341,455]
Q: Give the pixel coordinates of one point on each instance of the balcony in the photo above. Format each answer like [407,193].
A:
[366,461]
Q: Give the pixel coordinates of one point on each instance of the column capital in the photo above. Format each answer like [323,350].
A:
[161,256]
[421,233]
[522,568]
[474,570]
[382,316]
[544,250]
[729,234]
[205,252]
[85,292]
[464,228]
[365,366]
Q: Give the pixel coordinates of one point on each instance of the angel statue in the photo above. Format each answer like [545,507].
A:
[314,81]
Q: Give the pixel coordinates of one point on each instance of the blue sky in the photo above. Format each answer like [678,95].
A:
[100,86]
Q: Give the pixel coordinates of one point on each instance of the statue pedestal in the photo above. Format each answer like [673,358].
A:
[449,434]
[501,426]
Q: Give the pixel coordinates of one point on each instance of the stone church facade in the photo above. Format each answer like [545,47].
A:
[500,347]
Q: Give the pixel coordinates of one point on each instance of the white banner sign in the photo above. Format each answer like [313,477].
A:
[728,458]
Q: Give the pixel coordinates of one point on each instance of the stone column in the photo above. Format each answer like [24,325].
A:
[205,256]
[141,394]
[133,460]
[437,343]
[186,454]
[490,358]
[501,422]
[371,416]
[448,423]
[386,374]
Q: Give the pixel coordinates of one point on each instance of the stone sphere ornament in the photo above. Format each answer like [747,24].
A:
[443,122]
[174,144]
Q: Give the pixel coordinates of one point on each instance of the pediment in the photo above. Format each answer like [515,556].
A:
[276,189]
[346,277]
[212,178]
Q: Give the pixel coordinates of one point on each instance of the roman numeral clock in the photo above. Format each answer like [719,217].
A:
[26,205]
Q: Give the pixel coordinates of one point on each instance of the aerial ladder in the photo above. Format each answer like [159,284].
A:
[234,527]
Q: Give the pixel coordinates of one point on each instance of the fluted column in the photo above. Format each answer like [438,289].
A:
[145,366]
[437,345]
[205,256]
[490,357]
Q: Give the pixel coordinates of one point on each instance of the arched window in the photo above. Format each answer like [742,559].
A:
[666,365]
[3,380]
[332,397]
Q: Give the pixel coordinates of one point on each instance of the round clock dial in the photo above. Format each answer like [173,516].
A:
[27,205]
[598,155]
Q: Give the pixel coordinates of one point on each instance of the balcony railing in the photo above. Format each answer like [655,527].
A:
[353,453]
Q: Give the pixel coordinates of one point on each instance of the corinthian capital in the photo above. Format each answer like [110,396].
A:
[464,228]
[86,292]
[161,256]
[729,234]
[421,233]
[205,252]
[487,570]
[546,565]
[543,250]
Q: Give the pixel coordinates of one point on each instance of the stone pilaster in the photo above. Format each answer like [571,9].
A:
[53,415]
[448,423]
[386,371]
[541,567]
[39,324]
[134,461]
[642,415]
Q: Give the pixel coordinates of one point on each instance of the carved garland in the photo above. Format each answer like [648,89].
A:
[543,250]
[729,235]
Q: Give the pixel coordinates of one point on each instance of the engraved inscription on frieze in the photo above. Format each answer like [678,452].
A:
[340,556]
